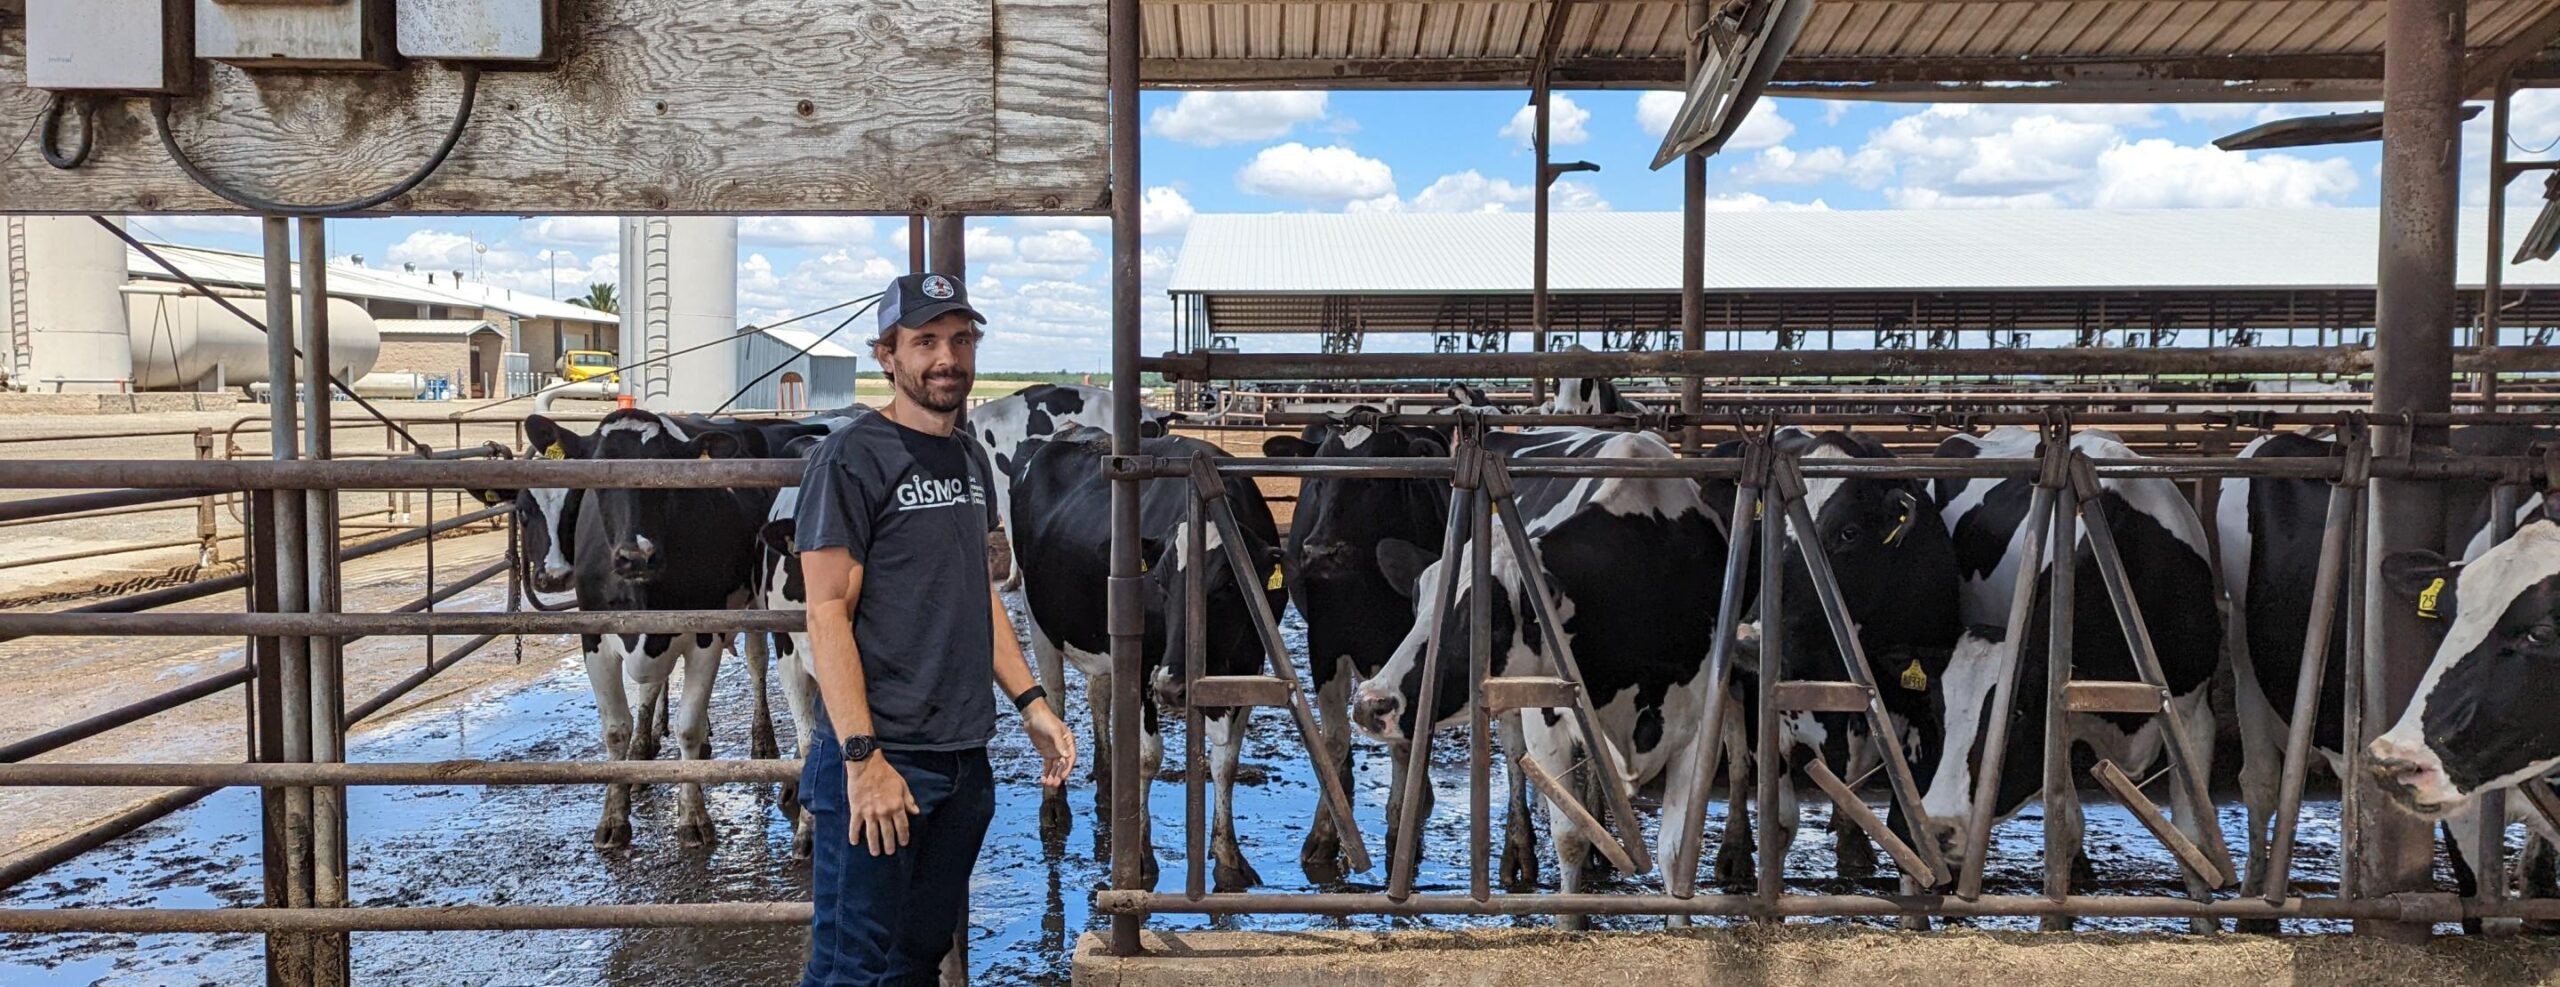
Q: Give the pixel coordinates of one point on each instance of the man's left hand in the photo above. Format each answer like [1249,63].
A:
[1056,743]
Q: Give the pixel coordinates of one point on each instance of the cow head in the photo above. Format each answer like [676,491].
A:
[2481,718]
[547,516]
[636,524]
[1964,689]
[1353,611]
[1386,704]
[1889,551]
[1231,630]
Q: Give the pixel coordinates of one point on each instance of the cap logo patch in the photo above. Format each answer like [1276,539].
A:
[937,286]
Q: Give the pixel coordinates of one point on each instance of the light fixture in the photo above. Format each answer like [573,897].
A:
[1741,49]
[2315,130]
[2543,240]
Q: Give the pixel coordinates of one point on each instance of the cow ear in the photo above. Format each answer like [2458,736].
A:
[1402,562]
[1429,448]
[721,445]
[2421,577]
[494,498]
[1287,447]
[779,536]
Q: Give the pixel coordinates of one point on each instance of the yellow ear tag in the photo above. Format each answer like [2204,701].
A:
[2427,599]
[553,451]
[706,454]
[1901,526]
[1274,581]
[1914,677]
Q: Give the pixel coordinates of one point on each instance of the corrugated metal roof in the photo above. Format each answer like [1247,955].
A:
[2076,42]
[233,268]
[456,328]
[1837,251]
[798,338]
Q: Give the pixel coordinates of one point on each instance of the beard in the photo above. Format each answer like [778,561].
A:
[941,392]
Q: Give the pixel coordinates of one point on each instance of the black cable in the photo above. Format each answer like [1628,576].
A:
[48,141]
[804,351]
[2519,145]
[453,136]
[731,338]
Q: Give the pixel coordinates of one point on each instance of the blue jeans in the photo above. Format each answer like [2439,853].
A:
[890,920]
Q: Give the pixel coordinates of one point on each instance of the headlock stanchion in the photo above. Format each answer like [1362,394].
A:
[2050,478]
[2346,505]
[1688,833]
[1413,784]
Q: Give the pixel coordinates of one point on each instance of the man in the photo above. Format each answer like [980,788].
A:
[908,642]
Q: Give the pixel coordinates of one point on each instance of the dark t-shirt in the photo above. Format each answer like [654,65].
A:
[914,510]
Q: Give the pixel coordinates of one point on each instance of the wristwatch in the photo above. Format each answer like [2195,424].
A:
[859,748]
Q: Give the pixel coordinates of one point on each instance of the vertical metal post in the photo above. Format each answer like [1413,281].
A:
[2413,372]
[1126,608]
[1479,724]
[1195,648]
[1770,765]
[1995,736]
[208,537]
[1538,101]
[266,726]
[949,239]
[1687,834]
[2060,795]
[290,956]
[2351,788]
[320,531]
[2488,858]
[2494,277]
[916,236]
[1693,250]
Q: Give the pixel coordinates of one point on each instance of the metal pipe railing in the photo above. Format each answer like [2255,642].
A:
[48,507]
[2400,907]
[305,774]
[459,918]
[1203,365]
[201,624]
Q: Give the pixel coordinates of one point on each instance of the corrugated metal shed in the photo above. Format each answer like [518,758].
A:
[2306,48]
[1825,251]
[434,328]
[822,378]
[231,268]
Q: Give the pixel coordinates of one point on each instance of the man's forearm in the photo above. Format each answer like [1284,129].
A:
[837,662]
[1013,674]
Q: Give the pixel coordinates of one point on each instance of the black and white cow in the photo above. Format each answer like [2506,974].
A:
[2480,720]
[1038,412]
[779,587]
[1062,511]
[1354,614]
[547,517]
[2164,547]
[661,550]
[1636,563]
[1897,577]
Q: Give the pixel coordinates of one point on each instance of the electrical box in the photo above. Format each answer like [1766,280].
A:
[295,34]
[121,45]
[477,30]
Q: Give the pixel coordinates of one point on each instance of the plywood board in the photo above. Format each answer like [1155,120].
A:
[684,106]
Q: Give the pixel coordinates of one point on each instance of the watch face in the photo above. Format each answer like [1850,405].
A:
[859,748]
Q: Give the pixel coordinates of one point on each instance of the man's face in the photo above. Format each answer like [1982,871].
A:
[934,364]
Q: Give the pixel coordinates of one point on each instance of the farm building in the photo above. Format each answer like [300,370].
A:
[822,377]
[465,351]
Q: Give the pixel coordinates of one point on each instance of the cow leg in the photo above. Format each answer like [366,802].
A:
[1321,857]
[1056,819]
[693,736]
[2083,876]
[1553,750]
[653,718]
[1097,690]
[2192,819]
[1226,747]
[1737,862]
[1520,828]
[1595,865]
[800,693]
[1686,785]
[761,743]
[2262,738]
[613,706]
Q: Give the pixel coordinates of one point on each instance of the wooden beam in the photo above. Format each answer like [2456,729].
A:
[2482,71]
[1969,78]
[1215,691]
[1822,697]
[1541,73]
[2111,697]
[671,106]
[1504,693]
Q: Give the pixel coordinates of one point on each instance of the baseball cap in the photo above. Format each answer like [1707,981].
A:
[915,299]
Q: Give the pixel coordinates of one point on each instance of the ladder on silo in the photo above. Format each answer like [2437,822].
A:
[22,337]
[654,306]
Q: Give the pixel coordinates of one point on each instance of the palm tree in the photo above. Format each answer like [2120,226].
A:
[599,297]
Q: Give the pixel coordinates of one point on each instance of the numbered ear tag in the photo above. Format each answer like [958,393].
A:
[1274,581]
[1901,526]
[553,451]
[2428,599]
[1914,677]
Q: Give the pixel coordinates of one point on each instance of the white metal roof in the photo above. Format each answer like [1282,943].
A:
[455,328]
[798,338]
[231,267]
[1843,250]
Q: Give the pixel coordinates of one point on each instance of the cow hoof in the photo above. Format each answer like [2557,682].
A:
[1320,858]
[613,834]
[1596,869]
[1147,872]
[2258,926]
[1855,859]
[698,833]
[1057,819]
[2084,878]
[803,842]
[1519,868]
[1573,923]
[763,748]
[787,798]
[1736,868]
[1235,874]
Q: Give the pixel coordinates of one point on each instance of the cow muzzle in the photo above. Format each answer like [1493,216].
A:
[2413,776]
[1378,712]
[554,579]
[636,562]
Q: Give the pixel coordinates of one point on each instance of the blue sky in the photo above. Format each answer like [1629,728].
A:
[1044,281]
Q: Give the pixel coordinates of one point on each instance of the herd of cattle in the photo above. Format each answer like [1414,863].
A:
[1925,570]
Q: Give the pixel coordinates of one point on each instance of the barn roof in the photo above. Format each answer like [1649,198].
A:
[1843,251]
[834,348]
[1986,49]
[435,328]
[232,268]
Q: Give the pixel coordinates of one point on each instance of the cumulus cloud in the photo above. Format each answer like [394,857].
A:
[1783,165]
[2156,173]
[571,230]
[1572,196]
[144,227]
[1755,202]
[1315,175]
[1470,191]
[1165,212]
[1567,118]
[1655,109]
[1762,127]
[806,231]
[1209,119]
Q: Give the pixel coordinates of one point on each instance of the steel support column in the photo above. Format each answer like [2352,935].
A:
[1693,246]
[329,957]
[949,239]
[1125,610]
[2413,372]
[1539,311]
[916,239]
[290,957]
[2494,277]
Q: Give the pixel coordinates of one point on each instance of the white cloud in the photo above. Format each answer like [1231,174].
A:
[1755,202]
[1470,191]
[1655,109]
[1572,196]
[1762,127]
[1389,202]
[1165,212]
[806,231]
[571,230]
[1957,154]
[2156,173]
[1315,175]
[145,227]
[1566,118]
[1909,197]
[1783,165]
[1209,119]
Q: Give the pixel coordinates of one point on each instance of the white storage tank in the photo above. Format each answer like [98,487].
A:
[181,339]
[680,289]
[60,300]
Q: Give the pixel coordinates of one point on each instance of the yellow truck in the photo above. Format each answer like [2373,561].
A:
[579,365]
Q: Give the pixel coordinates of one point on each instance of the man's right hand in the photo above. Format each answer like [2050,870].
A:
[881,804]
